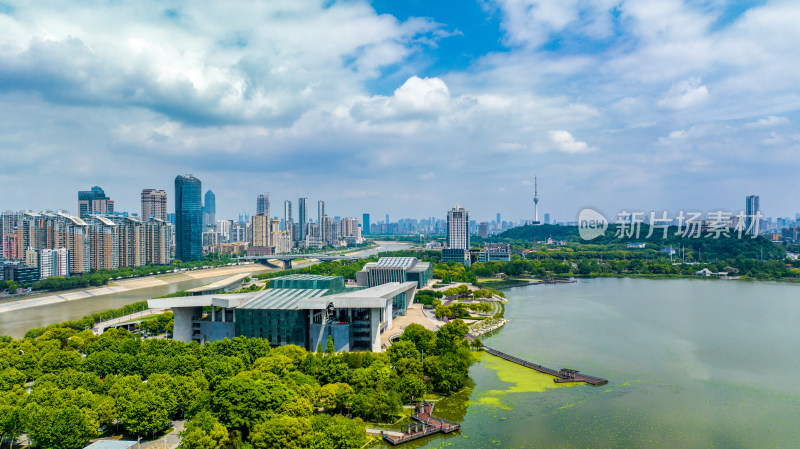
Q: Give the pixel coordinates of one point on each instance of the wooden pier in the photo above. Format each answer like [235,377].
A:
[426,425]
[561,376]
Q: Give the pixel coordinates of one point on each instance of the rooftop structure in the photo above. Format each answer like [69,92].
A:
[395,269]
[298,309]
[94,201]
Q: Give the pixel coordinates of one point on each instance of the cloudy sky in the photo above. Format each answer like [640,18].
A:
[404,107]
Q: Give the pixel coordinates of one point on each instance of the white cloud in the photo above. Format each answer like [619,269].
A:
[684,94]
[223,62]
[768,122]
[566,143]
[274,92]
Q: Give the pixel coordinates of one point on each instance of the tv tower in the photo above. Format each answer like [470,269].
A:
[535,202]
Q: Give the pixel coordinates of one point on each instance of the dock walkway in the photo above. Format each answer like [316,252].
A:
[561,376]
[426,425]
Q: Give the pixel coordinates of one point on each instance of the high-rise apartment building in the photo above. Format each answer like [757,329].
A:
[104,242]
[209,210]
[262,205]
[157,242]
[458,228]
[188,218]
[349,227]
[302,218]
[752,210]
[288,220]
[483,230]
[457,236]
[320,217]
[365,224]
[261,231]
[154,204]
[94,201]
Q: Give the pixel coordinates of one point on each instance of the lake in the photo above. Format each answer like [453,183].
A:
[691,364]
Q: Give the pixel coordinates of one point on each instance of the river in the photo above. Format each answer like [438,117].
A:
[691,364]
[16,322]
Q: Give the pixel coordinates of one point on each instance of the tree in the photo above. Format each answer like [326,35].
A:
[11,422]
[186,392]
[403,349]
[58,427]
[334,370]
[58,360]
[282,432]
[204,432]
[410,387]
[330,348]
[10,377]
[335,396]
[422,338]
[337,432]
[142,412]
[300,407]
[376,405]
[451,336]
[276,363]
[242,402]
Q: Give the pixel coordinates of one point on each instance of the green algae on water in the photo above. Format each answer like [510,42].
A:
[519,378]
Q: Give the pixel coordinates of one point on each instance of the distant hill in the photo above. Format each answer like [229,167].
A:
[709,247]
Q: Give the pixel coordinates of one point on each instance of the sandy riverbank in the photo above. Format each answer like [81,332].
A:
[129,285]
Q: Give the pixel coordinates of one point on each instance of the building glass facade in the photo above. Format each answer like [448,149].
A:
[279,327]
[302,217]
[188,218]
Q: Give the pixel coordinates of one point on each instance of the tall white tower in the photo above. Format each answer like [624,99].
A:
[535,202]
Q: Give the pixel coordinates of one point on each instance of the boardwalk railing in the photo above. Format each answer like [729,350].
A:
[430,425]
[563,375]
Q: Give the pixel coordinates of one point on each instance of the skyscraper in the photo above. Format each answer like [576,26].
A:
[320,216]
[365,224]
[94,201]
[210,210]
[458,228]
[387,220]
[154,204]
[262,205]
[751,213]
[302,217]
[498,220]
[483,230]
[188,218]
[546,218]
[287,215]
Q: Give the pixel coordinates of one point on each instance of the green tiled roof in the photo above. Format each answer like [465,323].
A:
[308,282]
[281,299]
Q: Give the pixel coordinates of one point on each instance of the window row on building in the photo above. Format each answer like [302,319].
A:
[61,244]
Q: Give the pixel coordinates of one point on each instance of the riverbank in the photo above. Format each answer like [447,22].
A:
[127,285]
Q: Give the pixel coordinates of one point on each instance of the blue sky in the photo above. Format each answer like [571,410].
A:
[404,107]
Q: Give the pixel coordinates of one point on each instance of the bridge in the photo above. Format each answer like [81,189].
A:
[288,258]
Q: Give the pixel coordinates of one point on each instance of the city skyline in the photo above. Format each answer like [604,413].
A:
[263,200]
[661,105]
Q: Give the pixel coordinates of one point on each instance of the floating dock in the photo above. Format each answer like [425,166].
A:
[426,425]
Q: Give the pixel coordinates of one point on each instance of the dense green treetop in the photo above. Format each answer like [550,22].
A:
[83,386]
